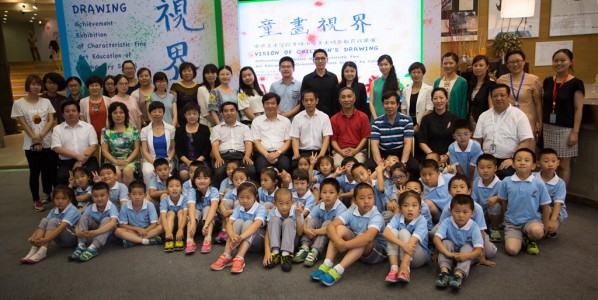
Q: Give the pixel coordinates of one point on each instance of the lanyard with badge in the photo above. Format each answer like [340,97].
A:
[554,91]
[518,91]
[497,124]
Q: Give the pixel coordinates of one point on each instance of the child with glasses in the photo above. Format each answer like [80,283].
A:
[464,152]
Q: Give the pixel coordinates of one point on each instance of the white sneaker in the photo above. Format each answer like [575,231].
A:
[37,257]
[33,250]
[46,199]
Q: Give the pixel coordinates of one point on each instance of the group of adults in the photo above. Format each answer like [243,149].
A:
[134,119]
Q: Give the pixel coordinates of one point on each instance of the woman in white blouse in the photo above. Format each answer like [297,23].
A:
[157,141]
[417,100]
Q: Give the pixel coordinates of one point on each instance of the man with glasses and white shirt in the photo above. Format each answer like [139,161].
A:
[323,83]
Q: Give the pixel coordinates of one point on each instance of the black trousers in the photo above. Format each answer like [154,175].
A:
[412,164]
[220,173]
[44,163]
[64,166]
[505,172]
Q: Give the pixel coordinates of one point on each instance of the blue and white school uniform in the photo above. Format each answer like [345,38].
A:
[230,199]
[283,231]
[456,239]
[93,219]
[359,224]
[80,192]
[202,206]
[524,198]
[157,184]
[465,158]
[264,196]
[308,200]
[417,228]
[70,215]
[346,186]
[93,212]
[242,219]
[381,198]
[188,188]
[478,215]
[439,194]
[319,211]
[480,192]
[167,204]
[119,193]
[142,218]
[227,183]
[557,189]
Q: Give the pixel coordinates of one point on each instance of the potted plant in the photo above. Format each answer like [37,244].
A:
[505,42]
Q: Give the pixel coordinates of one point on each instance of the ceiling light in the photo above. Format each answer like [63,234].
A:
[35,14]
[6,11]
[32,18]
[30,21]
[34,6]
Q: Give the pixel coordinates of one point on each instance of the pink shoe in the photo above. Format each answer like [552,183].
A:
[218,239]
[206,247]
[392,276]
[404,277]
[190,248]
[221,263]
[238,265]
[224,237]
[38,206]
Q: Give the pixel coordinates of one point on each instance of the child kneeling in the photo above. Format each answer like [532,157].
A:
[357,232]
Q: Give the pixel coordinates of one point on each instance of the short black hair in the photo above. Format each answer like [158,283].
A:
[390,94]
[160,162]
[460,177]
[100,186]
[94,79]
[187,65]
[406,194]
[191,106]
[497,86]
[107,166]
[173,178]
[417,65]
[462,124]
[70,102]
[269,96]
[347,160]
[487,157]
[421,185]
[56,78]
[300,175]
[308,91]
[331,181]
[156,105]
[358,165]
[318,51]
[229,103]
[513,52]
[462,200]
[286,58]
[429,163]
[361,186]
[547,151]
[525,150]
[137,184]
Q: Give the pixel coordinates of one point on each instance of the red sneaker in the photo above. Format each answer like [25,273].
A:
[221,263]
[238,265]
[392,276]
[38,206]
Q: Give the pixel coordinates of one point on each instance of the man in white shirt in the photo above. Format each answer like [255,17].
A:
[503,129]
[75,142]
[231,140]
[271,136]
[310,129]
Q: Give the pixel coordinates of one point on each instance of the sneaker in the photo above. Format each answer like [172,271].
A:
[169,246]
[179,246]
[221,263]
[286,263]
[238,265]
[76,255]
[88,254]
[404,277]
[317,275]
[206,247]
[495,236]
[190,249]
[156,241]
[219,239]
[224,237]
[46,199]
[37,257]
[551,235]
[276,259]
[301,255]
[456,282]
[29,255]
[311,259]
[532,247]
[443,280]
[331,277]
[128,244]
[38,206]
[392,276]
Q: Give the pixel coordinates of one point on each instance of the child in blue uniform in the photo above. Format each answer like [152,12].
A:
[525,195]
[356,232]
[58,226]
[395,185]
[345,178]
[245,228]
[229,202]
[285,225]
[206,201]
[464,152]
[407,238]
[485,193]
[436,194]
[557,189]
[96,224]
[227,183]
[138,220]
[157,186]
[174,210]
[458,239]
[302,195]
[118,191]
[361,174]
[320,168]
[314,227]
[80,182]
[270,181]
[188,185]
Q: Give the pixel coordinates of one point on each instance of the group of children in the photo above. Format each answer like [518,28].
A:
[319,212]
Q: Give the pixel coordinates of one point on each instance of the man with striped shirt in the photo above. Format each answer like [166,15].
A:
[392,133]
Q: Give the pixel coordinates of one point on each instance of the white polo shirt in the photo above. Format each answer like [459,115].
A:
[76,139]
[505,130]
[231,138]
[271,133]
[311,130]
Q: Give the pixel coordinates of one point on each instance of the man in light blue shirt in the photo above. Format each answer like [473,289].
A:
[288,88]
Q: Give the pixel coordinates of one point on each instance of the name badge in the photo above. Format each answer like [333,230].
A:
[493,148]
[552,118]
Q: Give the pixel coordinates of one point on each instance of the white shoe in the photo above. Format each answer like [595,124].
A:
[46,199]
[33,250]
[37,257]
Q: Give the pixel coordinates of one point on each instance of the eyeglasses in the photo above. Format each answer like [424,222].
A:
[320,58]
[403,176]
[129,68]
[286,67]
[514,62]
[461,135]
